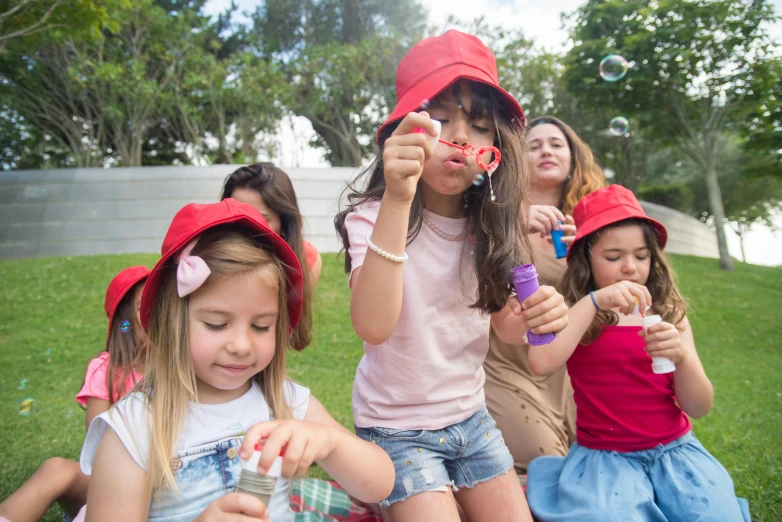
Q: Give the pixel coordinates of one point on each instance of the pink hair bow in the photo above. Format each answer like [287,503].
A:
[191,272]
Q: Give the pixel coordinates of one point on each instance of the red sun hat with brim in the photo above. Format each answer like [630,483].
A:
[610,205]
[119,288]
[195,219]
[433,64]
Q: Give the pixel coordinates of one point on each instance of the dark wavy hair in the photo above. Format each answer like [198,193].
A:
[274,185]
[585,174]
[495,226]
[578,281]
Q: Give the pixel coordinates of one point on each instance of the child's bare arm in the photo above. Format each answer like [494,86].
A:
[362,468]
[376,301]
[548,358]
[119,488]
[95,407]
[694,391]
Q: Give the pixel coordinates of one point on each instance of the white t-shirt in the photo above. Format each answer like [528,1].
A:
[429,373]
[204,424]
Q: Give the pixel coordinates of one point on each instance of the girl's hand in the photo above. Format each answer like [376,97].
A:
[544,311]
[621,295]
[405,153]
[543,219]
[663,340]
[234,507]
[569,228]
[304,443]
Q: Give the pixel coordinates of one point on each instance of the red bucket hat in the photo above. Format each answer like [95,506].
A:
[435,63]
[194,219]
[119,288]
[609,205]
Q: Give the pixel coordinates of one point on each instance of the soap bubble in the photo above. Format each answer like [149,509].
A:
[619,126]
[22,384]
[124,326]
[609,173]
[425,104]
[478,180]
[48,352]
[613,68]
[25,407]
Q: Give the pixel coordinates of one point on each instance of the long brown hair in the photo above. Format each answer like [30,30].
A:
[585,175]
[578,281]
[495,225]
[170,381]
[274,185]
[126,349]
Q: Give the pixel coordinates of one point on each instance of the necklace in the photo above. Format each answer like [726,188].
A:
[447,237]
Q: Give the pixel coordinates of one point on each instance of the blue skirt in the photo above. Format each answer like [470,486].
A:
[678,481]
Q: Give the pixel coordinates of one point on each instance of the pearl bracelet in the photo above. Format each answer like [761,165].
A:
[387,255]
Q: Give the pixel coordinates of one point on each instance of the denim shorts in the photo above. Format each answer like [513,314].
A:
[457,456]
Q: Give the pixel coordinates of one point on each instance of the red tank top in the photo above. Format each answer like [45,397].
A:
[621,404]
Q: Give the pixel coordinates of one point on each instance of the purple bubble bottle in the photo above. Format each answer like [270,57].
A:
[525,281]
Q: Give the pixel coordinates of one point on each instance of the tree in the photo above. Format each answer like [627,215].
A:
[339,58]
[693,63]
[27,19]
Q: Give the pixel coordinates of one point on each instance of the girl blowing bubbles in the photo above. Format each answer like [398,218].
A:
[429,261]
[636,458]
[218,308]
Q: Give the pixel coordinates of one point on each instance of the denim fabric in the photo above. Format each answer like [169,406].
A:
[459,456]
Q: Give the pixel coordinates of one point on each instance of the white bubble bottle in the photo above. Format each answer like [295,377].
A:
[659,364]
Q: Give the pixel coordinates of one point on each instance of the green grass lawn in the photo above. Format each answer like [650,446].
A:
[57,304]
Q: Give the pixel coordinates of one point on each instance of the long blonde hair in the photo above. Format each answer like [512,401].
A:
[585,175]
[170,381]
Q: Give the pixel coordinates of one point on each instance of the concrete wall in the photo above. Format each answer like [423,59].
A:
[125,210]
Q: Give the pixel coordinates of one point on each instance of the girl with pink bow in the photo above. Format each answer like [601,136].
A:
[219,307]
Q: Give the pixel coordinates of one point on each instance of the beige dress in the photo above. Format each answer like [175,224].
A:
[537,415]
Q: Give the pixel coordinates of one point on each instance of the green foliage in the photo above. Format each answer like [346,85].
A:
[678,196]
[340,58]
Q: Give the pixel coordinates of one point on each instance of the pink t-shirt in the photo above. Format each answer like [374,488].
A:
[429,373]
[95,381]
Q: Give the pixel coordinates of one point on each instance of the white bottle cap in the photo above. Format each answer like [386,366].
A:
[251,464]
[435,140]
[659,364]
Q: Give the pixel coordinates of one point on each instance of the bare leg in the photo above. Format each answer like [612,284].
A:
[496,500]
[431,506]
[56,479]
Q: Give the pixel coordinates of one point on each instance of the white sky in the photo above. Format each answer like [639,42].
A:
[541,21]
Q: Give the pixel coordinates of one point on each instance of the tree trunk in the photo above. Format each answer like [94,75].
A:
[741,242]
[342,153]
[717,210]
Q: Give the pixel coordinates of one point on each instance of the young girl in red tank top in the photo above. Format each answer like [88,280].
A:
[636,458]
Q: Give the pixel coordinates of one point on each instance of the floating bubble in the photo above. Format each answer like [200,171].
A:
[22,384]
[425,104]
[613,68]
[25,407]
[124,326]
[478,180]
[609,173]
[48,352]
[619,126]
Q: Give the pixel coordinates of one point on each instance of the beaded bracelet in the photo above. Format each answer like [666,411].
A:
[592,295]
[387,255]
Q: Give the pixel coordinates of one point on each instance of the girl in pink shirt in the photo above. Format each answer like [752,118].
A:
[635,458]
[431,240]
[109,376]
